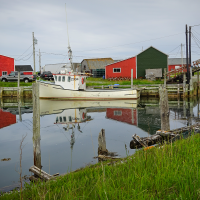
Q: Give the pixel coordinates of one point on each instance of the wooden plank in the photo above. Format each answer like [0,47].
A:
[40,173]
[162,136]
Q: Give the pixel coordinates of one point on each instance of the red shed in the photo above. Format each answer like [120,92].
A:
[6,65]
[121,68]
[6,119]
[175,63]
[126,115]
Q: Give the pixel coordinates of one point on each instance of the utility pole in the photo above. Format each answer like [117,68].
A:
[40,60]
[181,55]
[33,53]
[188,73]
[34,42]
[190,63]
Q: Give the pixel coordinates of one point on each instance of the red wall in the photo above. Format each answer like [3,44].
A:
[125,65]
[172,67]
[128,115]
[6,119]
[28,73]
[6,64]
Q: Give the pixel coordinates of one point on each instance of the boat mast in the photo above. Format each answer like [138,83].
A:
[69,48]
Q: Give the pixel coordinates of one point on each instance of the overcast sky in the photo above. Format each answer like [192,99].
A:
[97,28]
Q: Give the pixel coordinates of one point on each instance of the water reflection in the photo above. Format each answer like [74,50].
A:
[69,130]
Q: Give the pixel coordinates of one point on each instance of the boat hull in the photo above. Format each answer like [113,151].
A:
[52,91]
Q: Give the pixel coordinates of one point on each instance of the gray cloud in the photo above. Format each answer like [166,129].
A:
[112,28]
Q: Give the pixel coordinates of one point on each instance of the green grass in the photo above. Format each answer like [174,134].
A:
[14,84]
[92,82]
[100,81]
[168,172]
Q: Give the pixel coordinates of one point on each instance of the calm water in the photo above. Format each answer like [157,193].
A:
[69,132]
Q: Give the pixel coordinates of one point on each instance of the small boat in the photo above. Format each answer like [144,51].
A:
[72,86]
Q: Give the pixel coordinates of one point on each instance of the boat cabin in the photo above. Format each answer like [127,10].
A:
[70,80]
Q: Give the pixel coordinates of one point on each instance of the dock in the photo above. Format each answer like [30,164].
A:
[16,91]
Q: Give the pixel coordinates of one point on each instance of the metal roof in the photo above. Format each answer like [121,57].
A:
[154,48]
[98,63]
[23,68]
[138,54]
[176,61]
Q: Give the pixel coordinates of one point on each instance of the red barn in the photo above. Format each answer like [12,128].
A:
[121,68]
[6,119]
[126,115]
[6,65]
[175,63]
[150,58]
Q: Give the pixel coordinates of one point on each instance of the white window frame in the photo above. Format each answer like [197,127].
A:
[4,74]
[117,113]
[116,68]
[177,67]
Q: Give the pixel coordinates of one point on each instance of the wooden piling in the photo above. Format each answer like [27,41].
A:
[165,73]
[132,78]
[191,83]
[178,91]
[164,109]
[102,143]
[18,81]
[19,109]
[184,85]
[1,92]
[197,82]
[36,126]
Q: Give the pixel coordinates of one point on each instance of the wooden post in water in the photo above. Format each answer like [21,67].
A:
[18,82]
[184,85]
[102,143]
[36,125]
[191,82]
[19,109]
[198,109]
[178,91]
[131,78]
[197,82]
[165,73]
[164,109]
[184,107]
[1,92]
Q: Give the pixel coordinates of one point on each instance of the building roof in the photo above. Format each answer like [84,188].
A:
[25,68]
[5,56]
[98,63]
[176,61]
[137,55]
[149,48]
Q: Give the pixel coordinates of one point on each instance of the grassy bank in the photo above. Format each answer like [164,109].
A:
[14,84]
[168,172]
[91,82]
[100,81]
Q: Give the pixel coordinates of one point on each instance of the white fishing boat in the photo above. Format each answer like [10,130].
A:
[72,86]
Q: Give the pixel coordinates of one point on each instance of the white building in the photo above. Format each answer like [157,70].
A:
[56,68]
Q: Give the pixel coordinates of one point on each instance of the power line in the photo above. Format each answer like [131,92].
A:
[25,57]
[175,48]
[132,43]
[25,51]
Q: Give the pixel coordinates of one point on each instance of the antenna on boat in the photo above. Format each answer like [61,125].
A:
[69,48]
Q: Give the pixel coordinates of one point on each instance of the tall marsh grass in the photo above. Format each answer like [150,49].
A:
[167,172]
